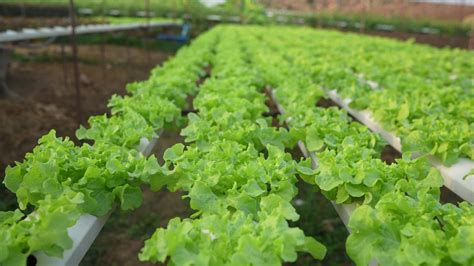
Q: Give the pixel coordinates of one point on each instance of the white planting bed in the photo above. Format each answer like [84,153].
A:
[85,231]
[343,210]
[49,32]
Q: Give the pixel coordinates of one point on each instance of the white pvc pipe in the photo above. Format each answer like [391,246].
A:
[58,31]
[86,229]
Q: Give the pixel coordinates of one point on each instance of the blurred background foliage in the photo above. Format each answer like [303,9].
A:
[392,15]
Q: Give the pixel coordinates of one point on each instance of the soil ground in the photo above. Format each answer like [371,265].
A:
[45,95]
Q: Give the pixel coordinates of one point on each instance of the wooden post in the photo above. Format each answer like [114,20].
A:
[4,60]
[242,9]
[65,75]
[102,45]
[148,31]
[72,17]
[471,38]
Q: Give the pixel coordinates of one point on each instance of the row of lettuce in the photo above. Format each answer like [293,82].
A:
[399,219]
[236,174]
[424,95]
[60,181]
[249,11]
[233,166]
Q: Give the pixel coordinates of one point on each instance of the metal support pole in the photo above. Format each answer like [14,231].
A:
[4,60]
[23,12]
[127,51]
[364,14]
[102,45]
[470,44]
[148,54]
[242,10]
[75,63]
[65,75]
[147,10]
[102,57]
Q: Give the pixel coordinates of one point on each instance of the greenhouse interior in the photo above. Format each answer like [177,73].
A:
[237,132]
